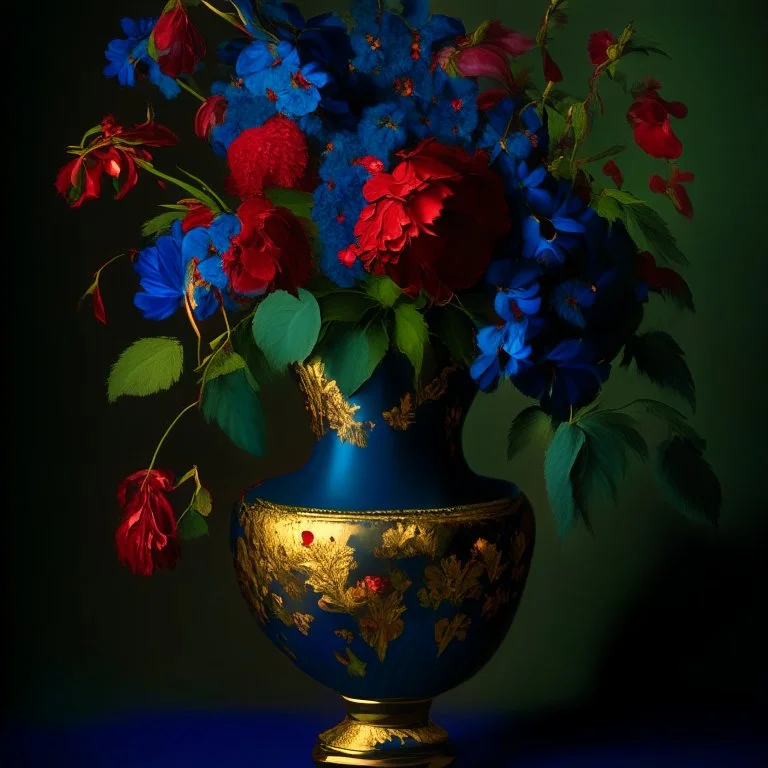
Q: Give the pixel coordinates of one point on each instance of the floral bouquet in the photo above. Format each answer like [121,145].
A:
[396,181]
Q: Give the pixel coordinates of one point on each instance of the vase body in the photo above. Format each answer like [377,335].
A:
[384,567]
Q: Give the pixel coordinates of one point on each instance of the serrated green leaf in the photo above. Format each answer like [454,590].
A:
[674,419]
[659,357]
[378,344]
[687,480]
[345,356]
[559,462]
[579,121]
[223,363]
[345,306]
[148,366]
[161,223]
[456,330]
[555,126]
[384,290]
[286,327]
[622,197]
[609,209]
[411,335]
[202,503]
[231,401]
[299,203]
[530,424]
[192,525]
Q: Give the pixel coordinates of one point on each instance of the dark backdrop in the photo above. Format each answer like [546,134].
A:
[652,611]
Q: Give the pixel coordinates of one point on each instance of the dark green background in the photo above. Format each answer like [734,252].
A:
[651,612]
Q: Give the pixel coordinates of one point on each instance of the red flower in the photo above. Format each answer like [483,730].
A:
[98,306]
[433,222]
[552,72]
[649,118]
[114,150]
[307,537]
[673,188]
[663,280]
[598,45]
[179,44]
[613,171]
[271,251]
[146,539]
[376,584]
[198,215]
[274,155]
[211,113]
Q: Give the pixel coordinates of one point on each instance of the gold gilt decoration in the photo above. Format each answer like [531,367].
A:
[490,556]
[403,415]
[355,667]
[451,581]
[296,619]
[328,408]
[359,737]
[407,540]
[450,629]
[345,635]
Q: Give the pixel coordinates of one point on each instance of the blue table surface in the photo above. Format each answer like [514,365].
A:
[284,740]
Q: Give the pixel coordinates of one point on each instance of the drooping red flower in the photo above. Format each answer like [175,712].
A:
[198,215]
[649,117]
[552,72]
[433,222]
[273,155]
[673,188]
[211,113]
[146,538]
[598,45]
[179,43]
[271,251]
[663,280]
[113,150]
[612,170]
[98,306]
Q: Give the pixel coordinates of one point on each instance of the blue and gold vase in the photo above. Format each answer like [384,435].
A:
[385,568]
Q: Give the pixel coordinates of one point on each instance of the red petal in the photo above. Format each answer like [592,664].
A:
[199,215]
[490,98]
[680,177]
[98,306]
[509,41]
[598,45]
[484,61]
[679,195]
[657,184]
[614,172]
[307,537]
[658,140]
[551,71]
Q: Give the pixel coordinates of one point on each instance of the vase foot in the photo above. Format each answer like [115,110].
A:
[385,734]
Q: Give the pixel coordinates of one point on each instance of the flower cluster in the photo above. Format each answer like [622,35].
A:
[366,155]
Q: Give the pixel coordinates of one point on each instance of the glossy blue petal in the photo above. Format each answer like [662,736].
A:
[211,271]
[489,339]
[485,371]
[562,224]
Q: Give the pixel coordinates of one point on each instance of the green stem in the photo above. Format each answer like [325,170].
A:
[206,188]
[226,16]
[163,438]
[198,194]
[190,89]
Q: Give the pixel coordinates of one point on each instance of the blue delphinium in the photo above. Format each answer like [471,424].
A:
[244,110]
[504,351]
[452,116]
[125,54]
[570,298]
[383,129]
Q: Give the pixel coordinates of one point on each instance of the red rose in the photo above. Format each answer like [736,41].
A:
[433,222]
[598,45]
[211,113]
[649,118]
[271,251]
[273,155]
[179,44]
[673,188]
[146,539]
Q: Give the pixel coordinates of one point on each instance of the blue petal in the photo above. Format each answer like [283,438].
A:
[562,224]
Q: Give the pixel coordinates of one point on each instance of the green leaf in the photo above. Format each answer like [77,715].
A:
[555,126]
[608,209]
[674,419]
[411,335]
[530,424]
[192,525]
[231,401]
[202,503]
[345,357]
[222,363]
[456,330]
[146,367]
[286,327]
[687,480]
[299,203]
[561,456]
[378,344]
[579,121]
[161,223]
[345,306]
[384,290]
[152,51]
[613,151]
[659,357]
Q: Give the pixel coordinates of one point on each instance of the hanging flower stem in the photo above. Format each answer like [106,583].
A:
[164,437]
[189,89]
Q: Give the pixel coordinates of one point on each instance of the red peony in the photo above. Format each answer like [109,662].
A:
[599,43]
[274,155]
[179,44]
[612,170]
[673,188]
[211,113]
[147,539]
[433,222]
[649,118]
[271,251]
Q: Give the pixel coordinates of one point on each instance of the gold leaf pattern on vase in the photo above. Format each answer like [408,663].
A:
[249,581]
[490,556]
[451,629]
[408,540]
[494,601]
[355,667]
[328,408]
[363,737]
[403,415]
[296,619]
[451,581]
[381,623]
[345,635]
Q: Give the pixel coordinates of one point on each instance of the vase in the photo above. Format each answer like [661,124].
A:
[385,568]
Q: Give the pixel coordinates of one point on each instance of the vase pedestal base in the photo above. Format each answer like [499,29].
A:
[385,734]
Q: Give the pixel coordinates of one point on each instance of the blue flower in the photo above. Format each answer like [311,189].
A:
[205,246]
[382,45]
[125,54]
[383,129]
[503,351]
[168,279]
[244,110]
[517,292]
[453,114]
[570,298]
